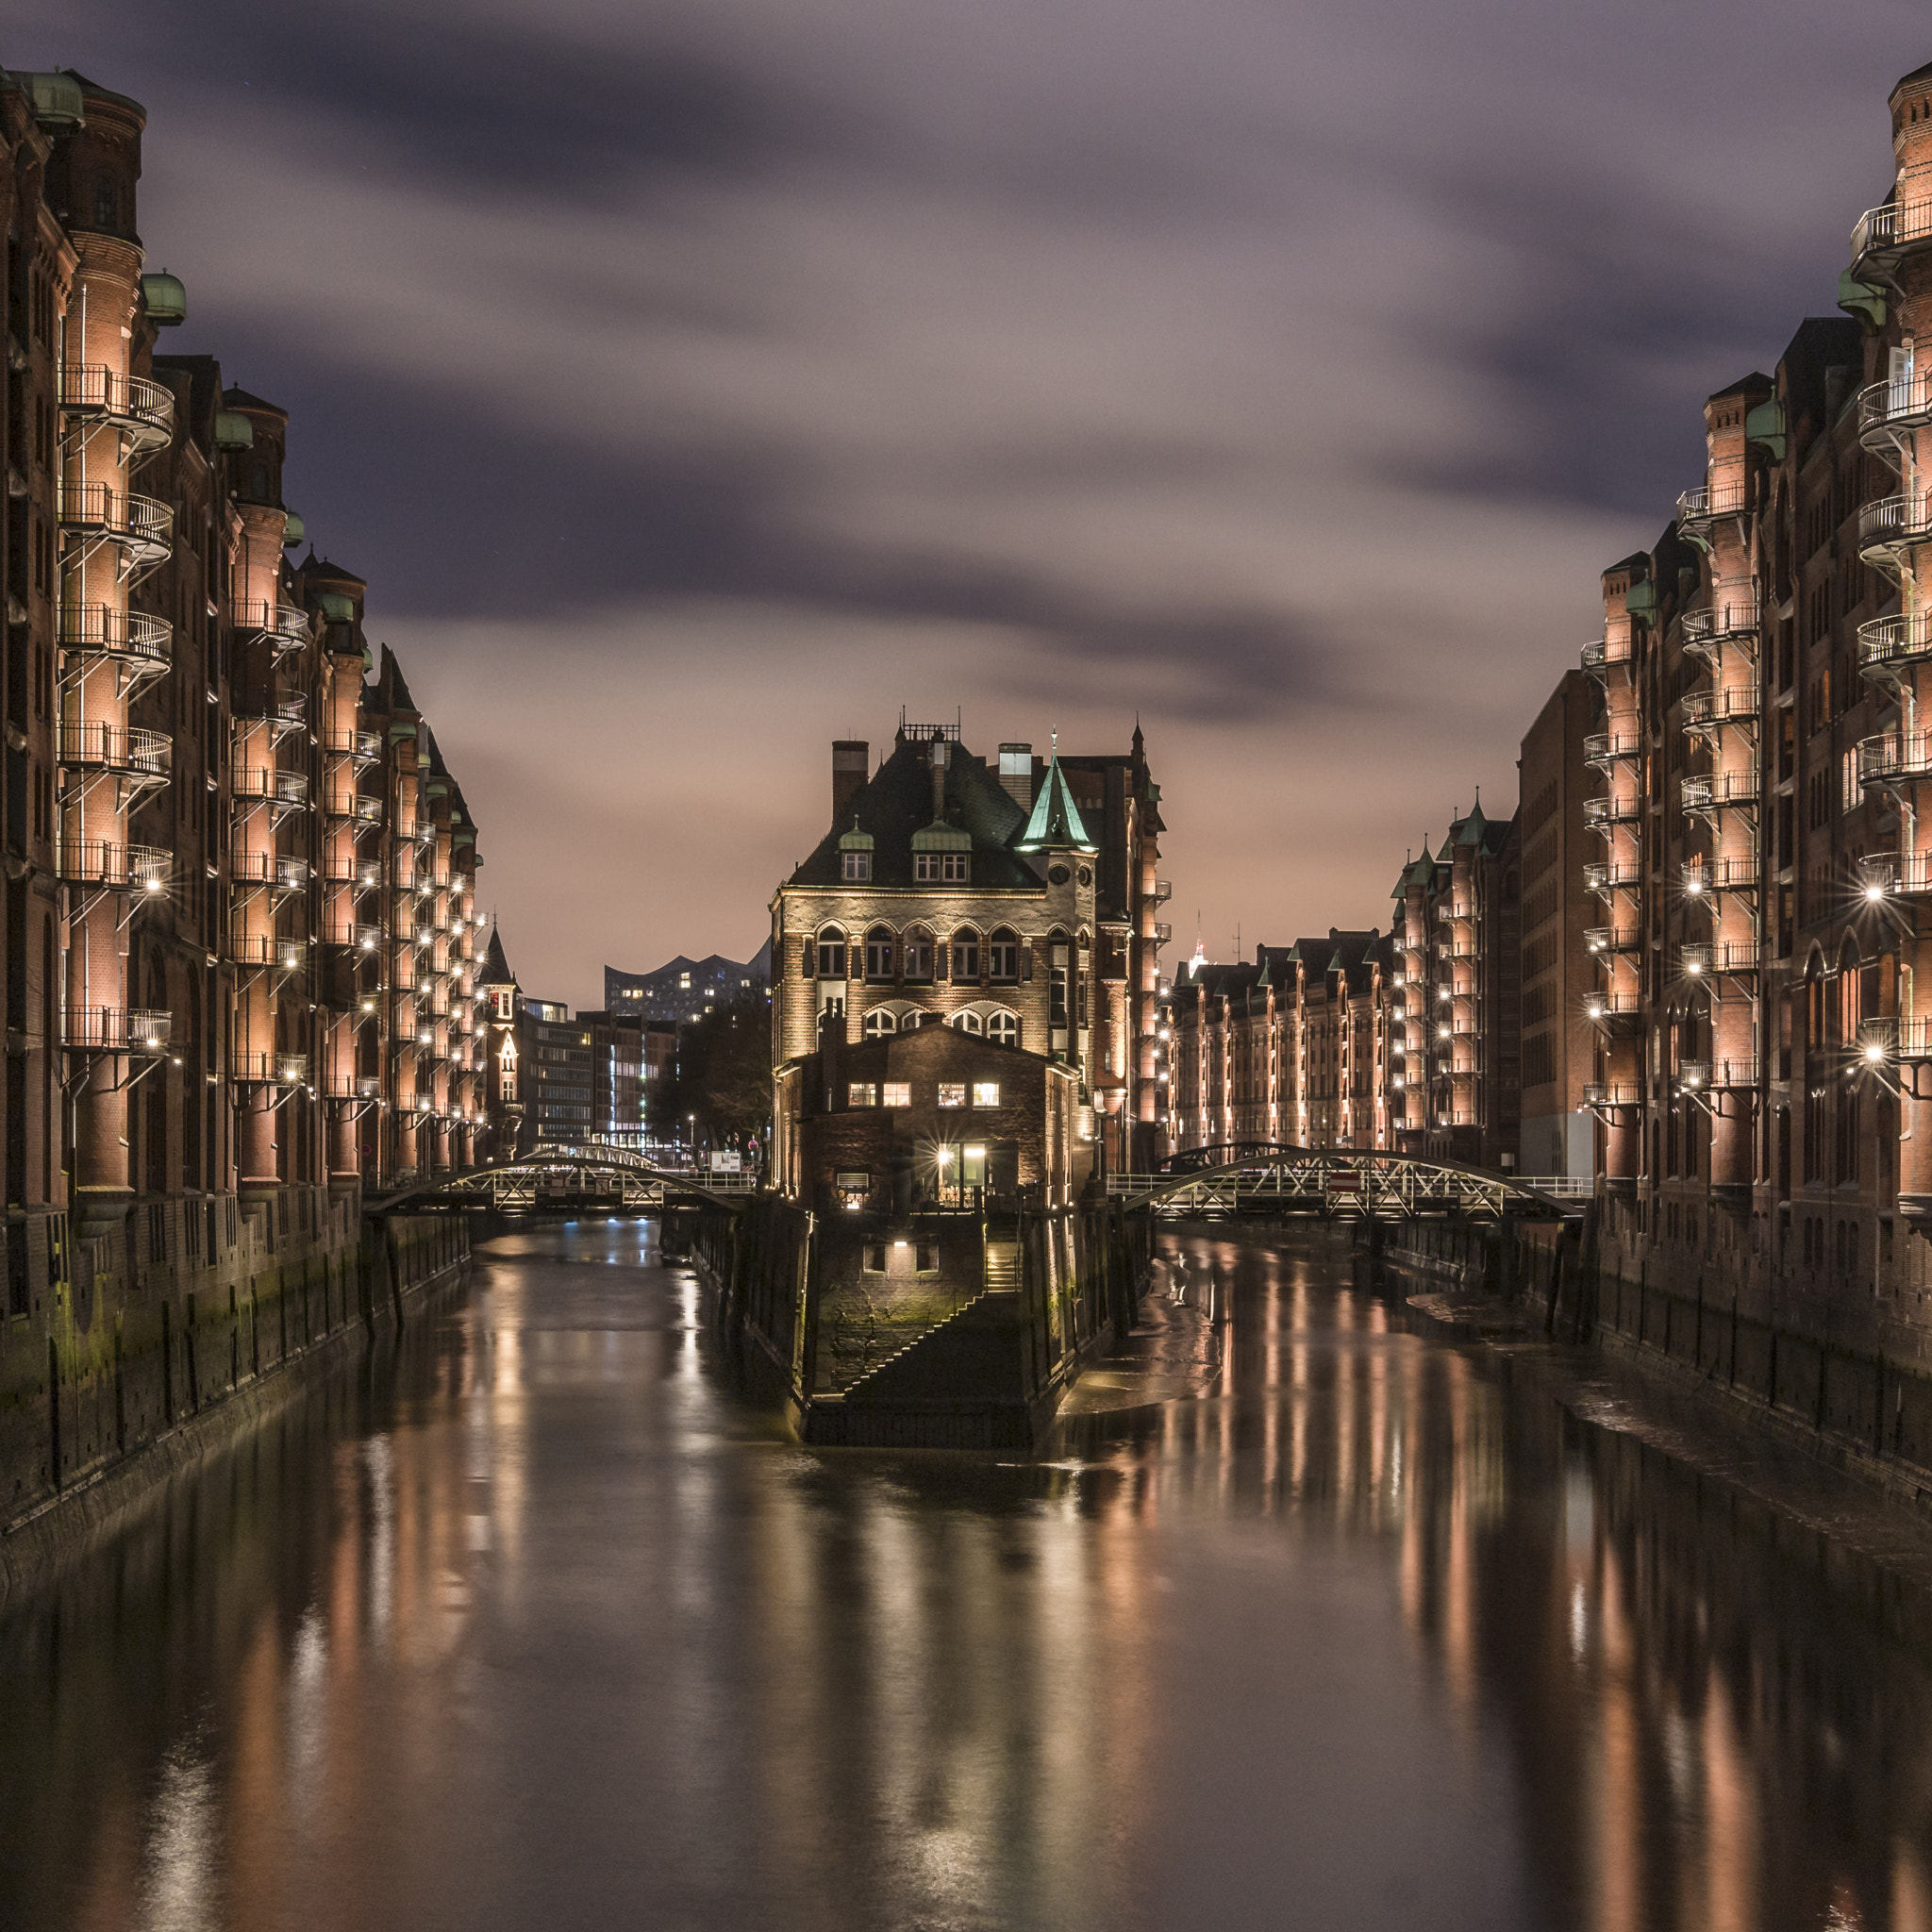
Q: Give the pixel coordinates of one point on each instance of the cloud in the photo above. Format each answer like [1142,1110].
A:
[741,369]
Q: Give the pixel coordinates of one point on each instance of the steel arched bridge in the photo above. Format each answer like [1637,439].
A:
[570,1180]
[1338,1184]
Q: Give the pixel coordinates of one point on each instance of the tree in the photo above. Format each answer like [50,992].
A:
[723,1075]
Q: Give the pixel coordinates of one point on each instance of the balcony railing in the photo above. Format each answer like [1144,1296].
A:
[1704,710]
[1895,229]
[363,747]
[1731,618]
[355,1086]
[115,1029]
[1899,402]
[1894,755]
[362,938]
[1599,813]
[1890,525]
[255,1067]
[1606,748]
[1698,508]
[262,785]
[1163,891]
[1612,1093]
[1163,932]
[1720,957]
[89,746]
[144,411]
[284,873]
[1703,876]
[119,868]
[285,625]
[352,806]
[288,712]
[130,637]
[1613,939]
[1905,873]
[1915,1039]
[1886,642]
[1717,1076]
[1601,654]
[142,527]
[1718,791]
[1612,1005]
[1613,875]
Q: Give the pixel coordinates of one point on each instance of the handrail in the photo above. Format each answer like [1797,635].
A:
[146,409]
[102,863]
[116,1029]
[1895,226]
[1892,521]
[140,522]
[100,630]
[116,747]
[1895,640]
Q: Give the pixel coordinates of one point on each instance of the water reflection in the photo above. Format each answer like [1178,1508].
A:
[537,1623]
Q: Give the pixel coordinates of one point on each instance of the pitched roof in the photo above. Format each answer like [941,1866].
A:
[896,802]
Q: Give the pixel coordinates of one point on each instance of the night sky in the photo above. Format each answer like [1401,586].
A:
[696,383]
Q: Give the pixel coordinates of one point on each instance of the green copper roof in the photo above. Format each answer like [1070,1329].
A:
[939,837]
[1056,819]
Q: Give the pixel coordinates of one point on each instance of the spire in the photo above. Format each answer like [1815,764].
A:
[1055,822]
[496,966]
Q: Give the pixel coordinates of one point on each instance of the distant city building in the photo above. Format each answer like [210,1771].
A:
[559,1079]
[686,989]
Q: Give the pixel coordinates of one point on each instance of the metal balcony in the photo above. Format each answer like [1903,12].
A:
[284,626]
[115,1029]
[1613,1093]
[136,753]
[1718,1077]
[1716,791]
[1914,1040]
[1888,643]
[111,867]
[142,411]
[1599,814]
[1613,939]
[1883,237]
[1895,757]
[1613,875]
[1613,1008]
[352,806]
[1721,957]
[252,1067]
[1889,527]
[1163,932]
[359,936]
[1705,877]
[253,785]
[1604,749]
[1902,874]
[359,747]
[142,527]
[1707,711]
[1600,657]
[355,1086]
[282,714]
[141,644]
[1700,510]
[277,869]
[1731,619]
[1163,891]
[1895,407]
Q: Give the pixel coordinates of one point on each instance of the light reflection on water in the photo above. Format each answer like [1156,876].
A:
[540,1625]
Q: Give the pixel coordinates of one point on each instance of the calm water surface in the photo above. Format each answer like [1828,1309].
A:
[538,1625]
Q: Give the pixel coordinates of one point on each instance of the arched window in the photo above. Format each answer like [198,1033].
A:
[919,954]
[965,953]
[1004,1027]
[878,953]
[968,1022]
[1003,955]
[880,1022]
[831,953]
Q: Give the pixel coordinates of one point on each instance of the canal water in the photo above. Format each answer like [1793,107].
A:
[539,1624]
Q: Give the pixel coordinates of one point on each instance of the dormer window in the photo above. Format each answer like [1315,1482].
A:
[941,868]
[857,867]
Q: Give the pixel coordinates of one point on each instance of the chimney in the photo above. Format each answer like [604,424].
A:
[848,772]
[939,780]
[1016,773]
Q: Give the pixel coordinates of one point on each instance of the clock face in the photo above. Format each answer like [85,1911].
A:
[1057,875]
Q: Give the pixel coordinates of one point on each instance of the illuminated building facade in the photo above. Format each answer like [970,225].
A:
[239,932]
[1013,901]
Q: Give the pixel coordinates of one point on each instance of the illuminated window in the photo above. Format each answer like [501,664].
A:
[857,867]
[896,1093]
[832,954]
[986,1093]
[1004,1027]
[968,1022]
[862,1094]
[952,1094]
